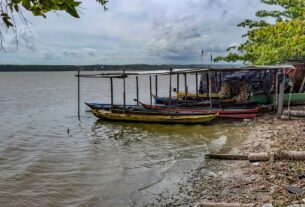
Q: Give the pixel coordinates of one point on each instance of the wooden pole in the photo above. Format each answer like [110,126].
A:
[185,88]
[264,82]
[276,91]
[209,204]
[178,84]
[210,89]
[170,90]
[196,76]
[208,86]
[111,92]
[302,85]
[281,98]
[124,92]
[137,88]
[156,85]
[78,94]
[150,90]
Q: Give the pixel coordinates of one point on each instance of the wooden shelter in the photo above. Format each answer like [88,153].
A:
[276,70]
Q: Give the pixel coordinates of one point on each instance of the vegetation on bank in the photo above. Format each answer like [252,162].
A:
[275,36]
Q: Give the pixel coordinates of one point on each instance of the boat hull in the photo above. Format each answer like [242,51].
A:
[198,110]
[142,118]
[194,96]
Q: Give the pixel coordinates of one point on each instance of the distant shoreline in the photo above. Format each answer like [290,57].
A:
[63,68]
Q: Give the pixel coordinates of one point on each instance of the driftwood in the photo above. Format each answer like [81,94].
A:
[295,113]
[207,204]
[260,157]
[226,157]
[285,117]
[290,155]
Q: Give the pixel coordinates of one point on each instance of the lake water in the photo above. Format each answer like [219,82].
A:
[97,163]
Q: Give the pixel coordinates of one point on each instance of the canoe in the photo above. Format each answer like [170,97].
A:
[194,103]
[296,98]
[237,116]
[143,118]
[108,106]
[200,109]
[194,95]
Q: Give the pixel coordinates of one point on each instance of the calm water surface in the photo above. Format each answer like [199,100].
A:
[98,163]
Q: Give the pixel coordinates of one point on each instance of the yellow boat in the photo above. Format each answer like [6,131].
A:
[193,95]
[181,119]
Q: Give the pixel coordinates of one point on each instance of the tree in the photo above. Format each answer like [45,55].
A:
[276,42]
[9,8]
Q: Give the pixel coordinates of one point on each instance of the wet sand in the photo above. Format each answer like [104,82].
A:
[243,181]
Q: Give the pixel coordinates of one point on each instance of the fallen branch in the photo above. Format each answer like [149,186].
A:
[260,157]
[294,113]
[285,117]
[207,204]
[226,157]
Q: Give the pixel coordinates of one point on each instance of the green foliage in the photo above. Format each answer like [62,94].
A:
[284,40]
[39,8]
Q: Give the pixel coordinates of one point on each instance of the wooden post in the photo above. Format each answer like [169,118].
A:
[137,89]
[185,89]
[178,84]
[111,92]
[196,76]
[208,85]
[124,92]
[156,85]
[150,90]
[264,81]
[78,94]
[276,89]
[210,89]
[281,97]
[302,85]
[170,90]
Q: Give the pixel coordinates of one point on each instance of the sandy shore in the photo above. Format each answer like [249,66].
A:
[245,182]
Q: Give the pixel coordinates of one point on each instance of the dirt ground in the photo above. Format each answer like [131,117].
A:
[246,182]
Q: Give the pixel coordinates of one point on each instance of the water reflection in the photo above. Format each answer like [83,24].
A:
[97,163]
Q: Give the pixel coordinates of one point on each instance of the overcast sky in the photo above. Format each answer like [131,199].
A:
[132,31]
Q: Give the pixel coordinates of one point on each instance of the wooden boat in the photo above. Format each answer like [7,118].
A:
[295,99]
[146,109]
[108,106]
[199,103]
[144,118]
[237,116]
[200,109]
[194,95]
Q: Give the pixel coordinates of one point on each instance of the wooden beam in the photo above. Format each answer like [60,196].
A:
[276,89]
[150,90]
[196,76]
[78,94]
[137,89]
[210,89]
[111,92]
[302,85]
[281,98]
[124,92]
[170,89]
[156,85]
[185,88]
[208,85]
[178,84]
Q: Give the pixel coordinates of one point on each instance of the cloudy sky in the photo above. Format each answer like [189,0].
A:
[132,31]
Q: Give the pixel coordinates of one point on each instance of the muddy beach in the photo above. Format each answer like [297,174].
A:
[244,181]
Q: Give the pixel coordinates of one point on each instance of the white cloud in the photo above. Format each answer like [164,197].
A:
[134,31]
